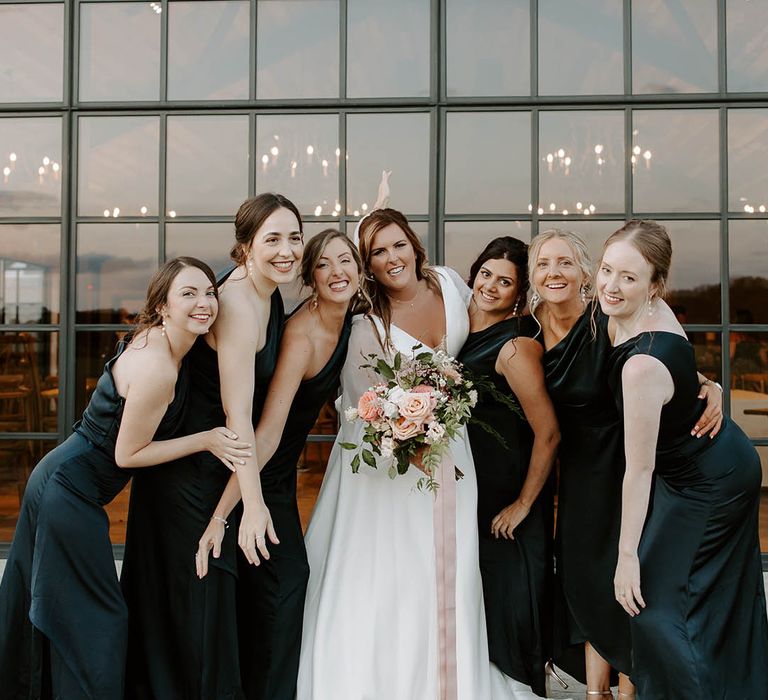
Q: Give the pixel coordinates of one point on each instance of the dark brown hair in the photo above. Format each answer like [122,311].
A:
[159,286]
[369,227]
[513,250]
[253,212]
[652,242]
[314,250]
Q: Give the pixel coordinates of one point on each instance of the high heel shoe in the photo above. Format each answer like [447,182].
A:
[549,669]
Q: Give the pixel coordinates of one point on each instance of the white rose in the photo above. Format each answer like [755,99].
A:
[350,414]
[395,394]
[472,397]
[435,433]
[390,409]
[387,447]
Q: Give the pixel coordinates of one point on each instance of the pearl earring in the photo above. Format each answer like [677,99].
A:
[164,326]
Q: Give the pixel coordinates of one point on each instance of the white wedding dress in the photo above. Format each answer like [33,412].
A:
[370,620]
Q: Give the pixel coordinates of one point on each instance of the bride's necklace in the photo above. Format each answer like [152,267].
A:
[407,302]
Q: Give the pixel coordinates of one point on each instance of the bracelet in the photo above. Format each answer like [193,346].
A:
[710,382]
[223,521]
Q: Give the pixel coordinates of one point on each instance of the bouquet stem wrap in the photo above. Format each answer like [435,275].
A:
[444,518]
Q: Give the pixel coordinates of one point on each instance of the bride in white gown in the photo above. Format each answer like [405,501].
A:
[370,620]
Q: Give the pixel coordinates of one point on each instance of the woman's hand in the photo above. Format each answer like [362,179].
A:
[712,419]
[227,447]
[504,524]
[210,541]
[255,526]
[626,584]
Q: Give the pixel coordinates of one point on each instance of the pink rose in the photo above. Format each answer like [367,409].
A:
[415,407]
[426,389]
[368,406]
[403,429]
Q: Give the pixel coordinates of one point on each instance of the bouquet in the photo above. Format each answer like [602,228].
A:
[411,415]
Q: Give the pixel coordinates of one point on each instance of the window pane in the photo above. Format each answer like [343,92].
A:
[748,254]
[119,51]
[30,160]
[208,242]
[29,273]
[676,164]
[298,156]
[465,240]
[207,164]
[488,165]
[297,49]
[208,50]
[747,36]
[707,346]
[31,52]
[580,47]
[502,28]
[581,162]
[118,166]
[749,382]
[114,265]
[747,155]
[397,142]
[17,459]
[694,279]
[674,46]
[93,349]
[388,48]
[29,382]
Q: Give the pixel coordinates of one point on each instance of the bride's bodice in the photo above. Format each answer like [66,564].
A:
[367,337]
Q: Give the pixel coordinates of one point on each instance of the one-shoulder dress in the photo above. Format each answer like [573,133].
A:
[703,633]
[60,573]
[591,458]
[183,630]
[514,572]
[270,632]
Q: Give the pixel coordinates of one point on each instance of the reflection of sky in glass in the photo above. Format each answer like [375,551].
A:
[747,158]
[397,142]
[30,166]
[119,51]
[298,156]
[580,47]
[388,48]
[30,262]
[114,265]
[502,28]
[674,46]
[207,164]
[297,49]
[465,240]
[488,162]
[581,162]
[748,254]
[210,243]
[31,52]
[747,38]
[118,166]
[676,154]
[208,50]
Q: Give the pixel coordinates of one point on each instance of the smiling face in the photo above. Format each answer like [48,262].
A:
[555,275]
[336,277]
[624,280]
[276,249]
[392,260]
[495,288]
[191,304]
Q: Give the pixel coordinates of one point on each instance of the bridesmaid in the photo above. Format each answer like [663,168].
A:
[60,575]
[514,507]
[183,636]
[312,354]
[594,635]
[689,573]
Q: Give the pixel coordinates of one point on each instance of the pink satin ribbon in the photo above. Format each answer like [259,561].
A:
[445,563]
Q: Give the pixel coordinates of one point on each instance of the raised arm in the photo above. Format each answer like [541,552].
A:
[520,363]
[647,386]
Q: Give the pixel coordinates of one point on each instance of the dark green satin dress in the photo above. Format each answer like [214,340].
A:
[183,630]
[703,633]
[63,619]
[515,573]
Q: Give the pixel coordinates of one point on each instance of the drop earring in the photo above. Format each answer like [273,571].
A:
[535,298]
[163,327]
[583,294]
[313,301]
[515,307]
[651,307]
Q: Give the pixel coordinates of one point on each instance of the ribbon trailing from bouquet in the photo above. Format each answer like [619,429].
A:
[444,518]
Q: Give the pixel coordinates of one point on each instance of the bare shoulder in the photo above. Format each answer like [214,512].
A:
[147,362]
[641,369]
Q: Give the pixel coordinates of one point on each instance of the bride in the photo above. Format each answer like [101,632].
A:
[371,620]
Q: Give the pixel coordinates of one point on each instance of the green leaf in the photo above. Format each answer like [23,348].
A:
[392,472]
[398,362]
[384,369]
[423,356]
[403,462]
[348,445]
[355,464]
[369,459]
